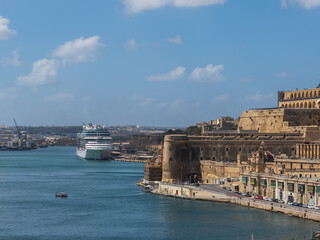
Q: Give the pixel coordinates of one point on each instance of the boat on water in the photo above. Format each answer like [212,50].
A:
[316,235]
[94,143]
[62,195]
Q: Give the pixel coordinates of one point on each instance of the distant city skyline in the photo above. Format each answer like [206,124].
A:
[152,63]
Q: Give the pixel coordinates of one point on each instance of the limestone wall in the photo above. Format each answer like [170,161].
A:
[182,154]
[279,120]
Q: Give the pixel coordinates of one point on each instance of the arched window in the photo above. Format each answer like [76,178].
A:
[310,94]
[286,105]
[282,105]
[302,94]
[305,105]
[313,104]
[309,105]
[315,94]
[299,95]
[301,105]
[293,105]
[291,96]
[289,105]
[295,95]
[307,94]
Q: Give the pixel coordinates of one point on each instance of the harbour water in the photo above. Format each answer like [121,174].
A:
[105,203]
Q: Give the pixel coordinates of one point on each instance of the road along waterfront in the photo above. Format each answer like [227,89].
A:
[213,192]
[105,203]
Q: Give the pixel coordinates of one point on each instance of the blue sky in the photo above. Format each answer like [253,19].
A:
[152,62]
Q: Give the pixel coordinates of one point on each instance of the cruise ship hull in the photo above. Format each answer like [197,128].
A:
[93,154]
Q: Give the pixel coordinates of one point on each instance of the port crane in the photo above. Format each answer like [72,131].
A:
[22,137]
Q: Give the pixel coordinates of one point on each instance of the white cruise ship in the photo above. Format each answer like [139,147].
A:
[94,142]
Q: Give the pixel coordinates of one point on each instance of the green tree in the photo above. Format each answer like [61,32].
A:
[193,130]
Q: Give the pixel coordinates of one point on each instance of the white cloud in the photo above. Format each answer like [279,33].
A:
[5,32]
[142,101]
[221,98]
[137,6]
[131,44]
[303,3]
[171,76]
[14,60]
[196,3]
[61,97]
[8,93]
[258,97]
[176,40]
[282,75]
[209,73]
[284,4]
[79,50]
[146,102]
[43,73]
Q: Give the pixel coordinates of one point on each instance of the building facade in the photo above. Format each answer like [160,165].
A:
[289,179]
[307,98]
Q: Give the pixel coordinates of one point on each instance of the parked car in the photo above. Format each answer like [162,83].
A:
[274,200]
[290,203]
[235,191]
[265,198]
[316,207]
[280,201]
[228,189]
[310,206]
[260,197]
[295,204]
[304,206]
[247,195]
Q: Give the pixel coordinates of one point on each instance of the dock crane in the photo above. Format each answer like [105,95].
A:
[22,137]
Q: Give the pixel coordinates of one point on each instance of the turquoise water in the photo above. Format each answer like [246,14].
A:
[105,203]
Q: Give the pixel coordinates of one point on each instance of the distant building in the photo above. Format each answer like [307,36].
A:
[307,98]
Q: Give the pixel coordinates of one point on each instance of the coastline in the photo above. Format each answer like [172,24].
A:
[217,194]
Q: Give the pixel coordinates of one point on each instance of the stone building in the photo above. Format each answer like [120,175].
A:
[307,98]
[182,154]
[213,172]
[291,179]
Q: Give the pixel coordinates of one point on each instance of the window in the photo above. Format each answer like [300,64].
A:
[227,149]
[240,149]
[214,149]
[301,166]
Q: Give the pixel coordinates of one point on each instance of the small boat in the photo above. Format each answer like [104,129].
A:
[316,235]
[62,195]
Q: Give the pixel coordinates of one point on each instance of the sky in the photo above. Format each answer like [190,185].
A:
[167,63]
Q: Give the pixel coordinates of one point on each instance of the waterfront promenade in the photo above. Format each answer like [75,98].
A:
[213,192]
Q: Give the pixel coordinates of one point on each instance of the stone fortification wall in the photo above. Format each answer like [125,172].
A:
[177,161]
[139,142]
[279,120]
[262,120]
[182,154]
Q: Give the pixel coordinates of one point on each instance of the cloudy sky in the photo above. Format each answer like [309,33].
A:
[152,62]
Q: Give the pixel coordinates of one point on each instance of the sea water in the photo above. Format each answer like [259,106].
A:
[105,203]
